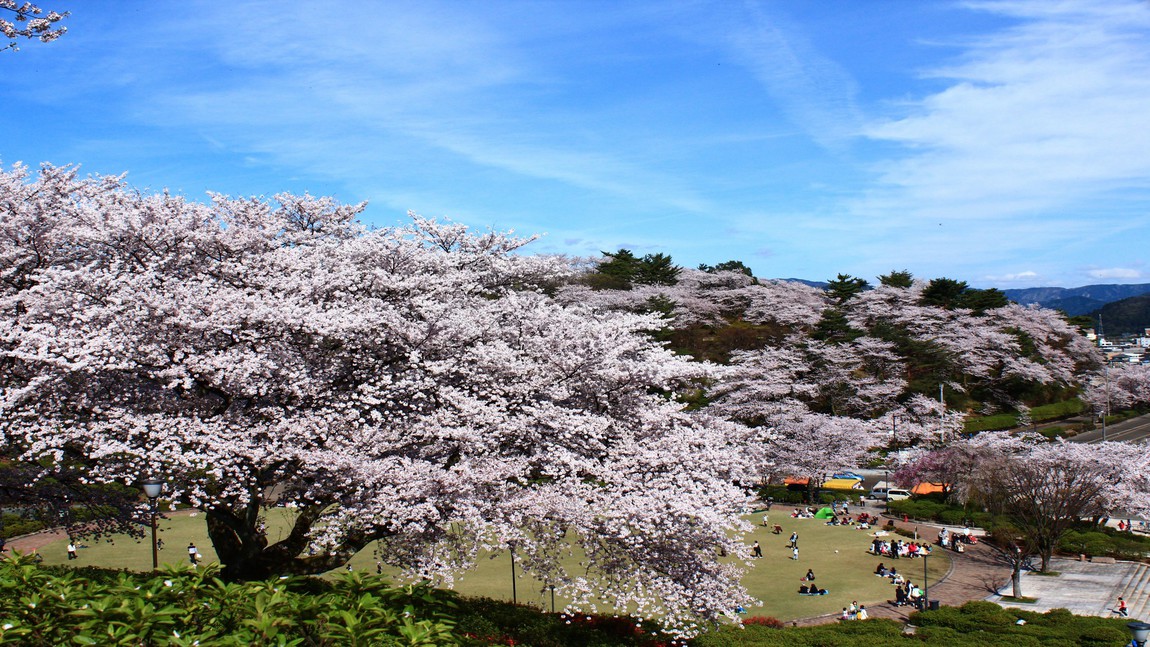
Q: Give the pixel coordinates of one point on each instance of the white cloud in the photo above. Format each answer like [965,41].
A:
[1115,273]
[1039,117]
[1027,276]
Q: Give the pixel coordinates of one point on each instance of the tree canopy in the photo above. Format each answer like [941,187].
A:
[29,21]
[410,386]
[628,269]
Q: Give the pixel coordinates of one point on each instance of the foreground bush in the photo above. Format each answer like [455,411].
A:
[984,624]
[193,607]
[56,605]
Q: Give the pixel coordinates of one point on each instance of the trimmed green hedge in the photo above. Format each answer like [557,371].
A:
[1109,543]
[975,623]
[784,495]
[930,509]
[15,525]
[1039,414]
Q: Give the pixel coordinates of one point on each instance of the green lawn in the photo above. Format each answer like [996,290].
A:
[837,555]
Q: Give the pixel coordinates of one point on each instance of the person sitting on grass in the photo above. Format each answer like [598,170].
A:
[880,570]
[818,591]
[810,576]
[805,590]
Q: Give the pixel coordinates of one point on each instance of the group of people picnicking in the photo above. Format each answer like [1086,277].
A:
[905,592]
[811,589]
[862,521]
[898,549]
[855,611]
[956,541]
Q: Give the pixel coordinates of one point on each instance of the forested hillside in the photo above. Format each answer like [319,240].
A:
[850,357]
[1126,317]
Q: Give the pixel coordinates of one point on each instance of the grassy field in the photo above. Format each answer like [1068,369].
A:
[836,554]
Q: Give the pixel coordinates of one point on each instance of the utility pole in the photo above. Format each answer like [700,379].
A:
[1106,381]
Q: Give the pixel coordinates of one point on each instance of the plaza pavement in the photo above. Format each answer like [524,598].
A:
[1086,588]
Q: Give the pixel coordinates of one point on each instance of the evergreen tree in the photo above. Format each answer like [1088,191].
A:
[727,266]
[845,287]
[944,293]
[897,279]
[656,269]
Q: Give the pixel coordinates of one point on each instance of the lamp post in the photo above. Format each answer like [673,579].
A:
[925,586]
[514,596]
[1140,631]
[152,489]
[1106,411]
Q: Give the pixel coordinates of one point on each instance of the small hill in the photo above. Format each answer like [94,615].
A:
[1125,317]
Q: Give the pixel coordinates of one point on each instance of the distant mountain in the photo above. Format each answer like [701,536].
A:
[1125,317]
[1073,299]
[822,285]
[1074,305]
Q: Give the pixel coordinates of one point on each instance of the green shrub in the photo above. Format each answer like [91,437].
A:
[1057,410]
[996,422]
[1104,636]
[15,526]
[1059,617]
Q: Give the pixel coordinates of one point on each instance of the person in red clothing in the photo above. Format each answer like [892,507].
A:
[1122,611]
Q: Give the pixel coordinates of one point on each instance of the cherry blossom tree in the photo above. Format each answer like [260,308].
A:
[29,21]
[411,387]
[1044,488]
[1118,385]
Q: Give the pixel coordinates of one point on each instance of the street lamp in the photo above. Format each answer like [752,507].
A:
[1141,632]
[925,586]
[152,489]
[514,595]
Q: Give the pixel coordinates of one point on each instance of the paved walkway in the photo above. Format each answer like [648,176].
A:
[35,541]
[1086,588]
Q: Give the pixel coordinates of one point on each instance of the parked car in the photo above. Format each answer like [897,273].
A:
[897,494]
[883,491]
[847,475]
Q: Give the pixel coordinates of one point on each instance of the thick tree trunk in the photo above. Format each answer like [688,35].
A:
[242,546]
[1016,579]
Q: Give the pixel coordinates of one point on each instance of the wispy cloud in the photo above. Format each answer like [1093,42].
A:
[1115,273]
[1027,276]
[1042,116]
[815,92]
[409,83]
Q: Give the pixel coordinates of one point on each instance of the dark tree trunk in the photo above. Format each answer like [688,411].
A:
[242,546]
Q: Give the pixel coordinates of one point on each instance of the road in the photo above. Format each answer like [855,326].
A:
[1134,430]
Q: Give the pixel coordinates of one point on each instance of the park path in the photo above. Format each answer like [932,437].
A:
[35,541]
[38,540]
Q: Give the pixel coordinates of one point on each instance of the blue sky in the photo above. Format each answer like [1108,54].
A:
[1002,143]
